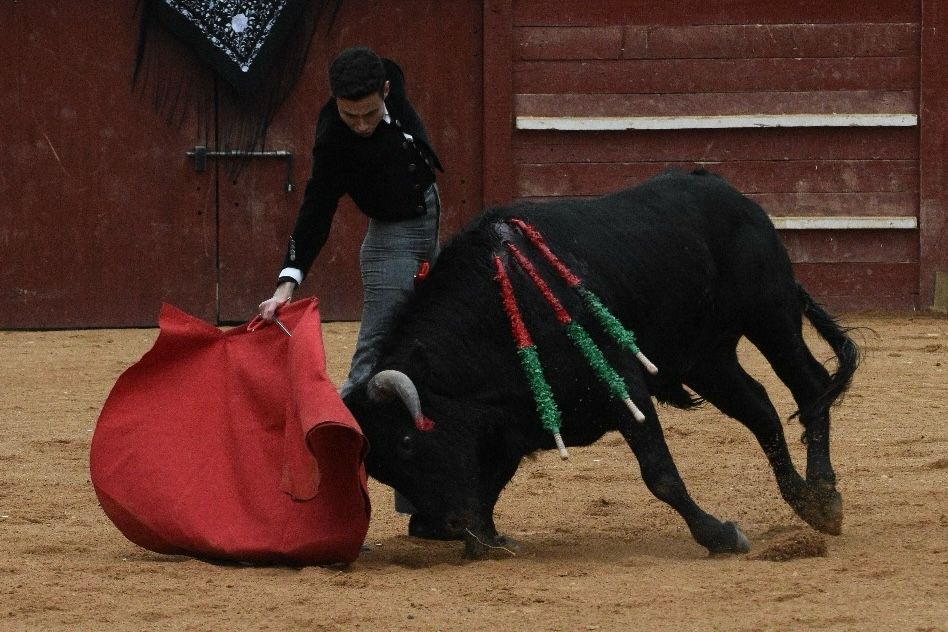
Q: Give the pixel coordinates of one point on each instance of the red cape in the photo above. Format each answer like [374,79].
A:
[233,445]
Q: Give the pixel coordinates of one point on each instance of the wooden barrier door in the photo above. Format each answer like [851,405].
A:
[105,216]
[101,217]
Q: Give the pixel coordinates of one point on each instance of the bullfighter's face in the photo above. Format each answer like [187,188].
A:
[363,115]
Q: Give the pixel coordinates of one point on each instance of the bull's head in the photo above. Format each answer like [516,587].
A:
[453,470]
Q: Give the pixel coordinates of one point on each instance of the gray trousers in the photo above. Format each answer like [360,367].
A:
[389,259]
[390,256]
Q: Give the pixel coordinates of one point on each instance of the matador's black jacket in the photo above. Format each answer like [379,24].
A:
[385,174]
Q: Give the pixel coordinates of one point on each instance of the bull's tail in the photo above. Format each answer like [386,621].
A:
[847,353]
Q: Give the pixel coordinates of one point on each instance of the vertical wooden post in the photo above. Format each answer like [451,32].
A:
[933,148]
[498,102]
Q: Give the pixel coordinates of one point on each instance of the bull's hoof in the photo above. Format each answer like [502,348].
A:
[477,547]
[821,507]
[731,540]
[422,526]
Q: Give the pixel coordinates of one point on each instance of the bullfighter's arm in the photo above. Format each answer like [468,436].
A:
[315,216]
[313,222]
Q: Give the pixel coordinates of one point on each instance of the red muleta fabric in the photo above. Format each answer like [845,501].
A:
[233,445]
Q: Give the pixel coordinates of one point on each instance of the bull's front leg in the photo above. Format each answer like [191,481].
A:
[663,480]
[495,469]
[481,539]
[476,522]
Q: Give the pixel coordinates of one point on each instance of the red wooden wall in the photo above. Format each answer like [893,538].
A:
[828,114]
[824,112]
[103,216]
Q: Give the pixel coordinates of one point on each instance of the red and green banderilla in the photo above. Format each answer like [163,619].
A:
[579,336]
[606,319]
[530,360]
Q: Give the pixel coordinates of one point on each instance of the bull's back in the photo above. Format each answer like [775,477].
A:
[677,257]
[678,233]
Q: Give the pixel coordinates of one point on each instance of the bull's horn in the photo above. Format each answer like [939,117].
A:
[390,383]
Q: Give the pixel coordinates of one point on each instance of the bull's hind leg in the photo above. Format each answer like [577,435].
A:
[807,379]
[663,480]
[723,382]
[781,342]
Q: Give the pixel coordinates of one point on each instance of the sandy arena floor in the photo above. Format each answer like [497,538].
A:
[599,553]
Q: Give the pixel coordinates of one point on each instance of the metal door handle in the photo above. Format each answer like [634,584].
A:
[200,154]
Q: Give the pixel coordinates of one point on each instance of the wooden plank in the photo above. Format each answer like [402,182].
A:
[578,179]
[744,41]
[751,177]
[715,104]
[692,146]
[845,223]
[796,205]
[838,204]
[716,75]
[646,12]
[820,176]
[562,183]
[933,213]
[734,41]
[860,286]
[728,121]
[856,246]
[557,43]
[847,279]
[498,103]
[859,303]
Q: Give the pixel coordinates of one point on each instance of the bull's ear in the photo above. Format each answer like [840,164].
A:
[418,366]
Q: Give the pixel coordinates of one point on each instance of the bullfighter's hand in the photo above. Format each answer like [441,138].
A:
[281,296]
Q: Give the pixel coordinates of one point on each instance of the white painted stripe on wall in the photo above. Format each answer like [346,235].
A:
[845,223]
[615,123]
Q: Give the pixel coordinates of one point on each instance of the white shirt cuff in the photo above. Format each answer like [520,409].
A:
[294,273]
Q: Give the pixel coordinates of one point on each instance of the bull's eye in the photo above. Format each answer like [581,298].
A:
[406,447]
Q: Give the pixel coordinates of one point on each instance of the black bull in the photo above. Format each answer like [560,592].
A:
[684,261]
